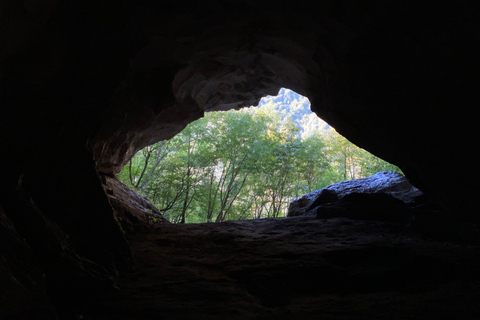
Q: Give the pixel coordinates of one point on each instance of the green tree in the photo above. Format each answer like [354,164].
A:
[236,146]
[311,165]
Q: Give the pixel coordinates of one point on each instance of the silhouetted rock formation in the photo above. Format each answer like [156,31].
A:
[386,195]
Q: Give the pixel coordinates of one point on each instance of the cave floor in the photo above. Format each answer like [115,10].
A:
[295,268]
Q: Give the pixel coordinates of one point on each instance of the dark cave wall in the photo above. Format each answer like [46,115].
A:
[83,85]
[59,66]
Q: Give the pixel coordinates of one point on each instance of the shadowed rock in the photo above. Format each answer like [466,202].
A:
[367,198]
[133,211]
[23,290]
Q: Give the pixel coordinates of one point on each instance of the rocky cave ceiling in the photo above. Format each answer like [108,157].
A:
[84,85]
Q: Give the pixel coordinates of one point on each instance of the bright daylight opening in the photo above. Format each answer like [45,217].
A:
[246,164]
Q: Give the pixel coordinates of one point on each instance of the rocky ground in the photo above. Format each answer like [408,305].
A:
[294,268]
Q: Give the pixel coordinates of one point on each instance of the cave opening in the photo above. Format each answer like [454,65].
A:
[248,163]
[82,80]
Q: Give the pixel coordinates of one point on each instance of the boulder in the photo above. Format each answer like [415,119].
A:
[385,195]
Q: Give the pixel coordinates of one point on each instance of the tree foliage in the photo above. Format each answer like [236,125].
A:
[242,164]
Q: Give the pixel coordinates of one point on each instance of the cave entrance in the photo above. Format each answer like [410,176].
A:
[245,164]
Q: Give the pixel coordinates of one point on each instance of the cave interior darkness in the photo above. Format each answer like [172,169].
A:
[84,85]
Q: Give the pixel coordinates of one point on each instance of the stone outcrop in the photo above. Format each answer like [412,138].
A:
[392,184]
[83,85]
[133,212]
